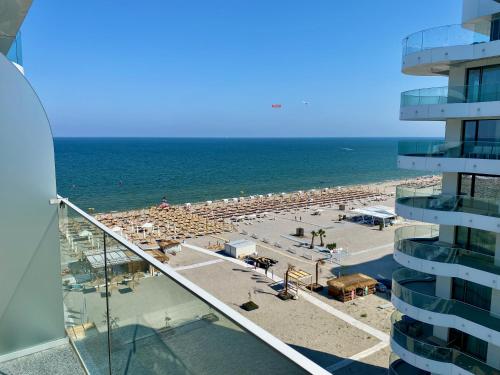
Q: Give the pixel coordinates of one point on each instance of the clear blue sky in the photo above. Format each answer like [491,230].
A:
[213,68]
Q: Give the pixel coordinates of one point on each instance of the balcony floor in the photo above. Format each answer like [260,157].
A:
[61,360]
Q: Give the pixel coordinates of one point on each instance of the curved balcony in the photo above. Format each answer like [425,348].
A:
[413,341]
[429,205]
[418,247]
[469,157]
[432,51]
[442,103]
[413,293]
[399,367]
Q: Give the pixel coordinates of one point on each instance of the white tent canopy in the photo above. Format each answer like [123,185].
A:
[379,212]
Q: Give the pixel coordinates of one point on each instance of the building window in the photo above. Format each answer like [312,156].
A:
[471,293]
[468,344]
[495,28]
[480,241]
[483,84]
[479,186]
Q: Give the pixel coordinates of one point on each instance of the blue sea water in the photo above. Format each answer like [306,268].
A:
[123,173]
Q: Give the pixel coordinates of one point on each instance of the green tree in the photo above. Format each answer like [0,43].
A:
[313,234]
[321,234]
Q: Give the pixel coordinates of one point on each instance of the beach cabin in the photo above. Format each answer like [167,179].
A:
[348,287]
[240,248]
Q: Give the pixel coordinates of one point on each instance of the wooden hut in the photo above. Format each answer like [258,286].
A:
[348,287]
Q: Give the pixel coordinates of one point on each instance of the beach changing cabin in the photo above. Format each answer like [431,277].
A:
[240,248]
[348,287]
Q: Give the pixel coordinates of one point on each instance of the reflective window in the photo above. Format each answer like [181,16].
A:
[477,240]
[481,131]
[471,293]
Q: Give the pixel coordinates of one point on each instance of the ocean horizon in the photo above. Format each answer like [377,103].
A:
[113,174]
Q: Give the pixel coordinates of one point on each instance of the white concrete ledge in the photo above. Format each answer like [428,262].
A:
[464,219]
[458,165]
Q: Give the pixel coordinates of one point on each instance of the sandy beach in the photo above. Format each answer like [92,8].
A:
[349,337]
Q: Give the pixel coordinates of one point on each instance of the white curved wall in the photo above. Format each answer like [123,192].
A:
[472,10]
[449,321]
[425,364]
[464,219]
[442,112]
[448,269]
[456,165]
[437,60]
[31,308]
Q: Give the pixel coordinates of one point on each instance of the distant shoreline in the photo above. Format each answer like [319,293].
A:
[379,186]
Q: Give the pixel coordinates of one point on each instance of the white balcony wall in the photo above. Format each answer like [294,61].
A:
[31,308]
[437,61]
[472,10]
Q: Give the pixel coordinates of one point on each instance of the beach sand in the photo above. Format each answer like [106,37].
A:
[307,324]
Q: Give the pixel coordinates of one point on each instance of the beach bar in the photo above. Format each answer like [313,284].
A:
[348,287]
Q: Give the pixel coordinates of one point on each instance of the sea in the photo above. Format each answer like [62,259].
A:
[115,174]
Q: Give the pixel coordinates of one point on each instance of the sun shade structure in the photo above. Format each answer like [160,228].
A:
[379,212]
[346,288]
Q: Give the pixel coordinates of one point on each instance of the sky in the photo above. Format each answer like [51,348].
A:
[185,68]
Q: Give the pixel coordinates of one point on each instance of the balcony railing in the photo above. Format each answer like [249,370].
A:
[431,198]
[442,149]
[421,241]
[128,312]
[446,36]
[451,94]
[399,367]
[413,336]
[412,287]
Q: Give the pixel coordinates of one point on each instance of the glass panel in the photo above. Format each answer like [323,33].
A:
[486,186]
[473,80]
[422,242]
[125,316]
[412,335]
[432,199]
[468,344]
[418,289]
[444,36]
[452,94]
[471,293]
[83,282]
[466,184]
[470,130]
[158,327]
[475,150]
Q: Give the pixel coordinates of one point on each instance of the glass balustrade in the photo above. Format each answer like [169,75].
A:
[451,94]
[417,337]
[443,149]
[124,315]
[431,198]
[422,242]
[417,289]
[399,367]
[446,36]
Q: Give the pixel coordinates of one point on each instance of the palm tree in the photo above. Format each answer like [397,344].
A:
[321,234]
[313,234]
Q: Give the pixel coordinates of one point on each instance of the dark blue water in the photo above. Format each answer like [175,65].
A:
[123,173]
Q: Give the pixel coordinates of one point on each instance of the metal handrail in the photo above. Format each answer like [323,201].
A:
[237,318]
